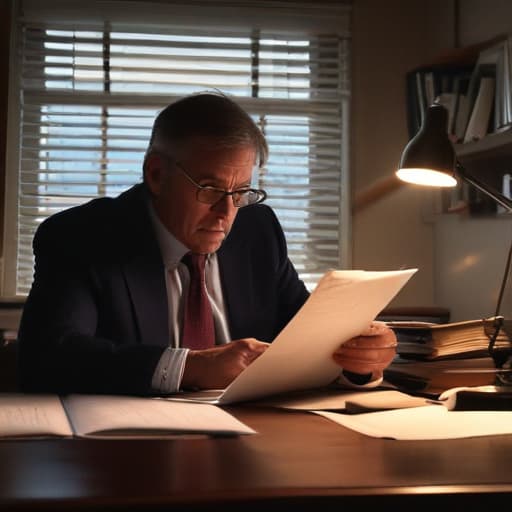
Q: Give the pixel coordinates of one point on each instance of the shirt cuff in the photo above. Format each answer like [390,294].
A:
[358,381]
[169,371]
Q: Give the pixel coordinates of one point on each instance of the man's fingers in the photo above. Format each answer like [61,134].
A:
[378,335]
[364,361]
[371,351]
[376,328]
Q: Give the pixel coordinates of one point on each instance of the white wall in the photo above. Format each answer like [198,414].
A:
[483,19]
[390,38]
[470,261]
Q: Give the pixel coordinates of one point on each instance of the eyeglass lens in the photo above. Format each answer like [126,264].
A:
[240,198]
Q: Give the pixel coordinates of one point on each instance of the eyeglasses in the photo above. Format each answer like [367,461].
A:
[211,195]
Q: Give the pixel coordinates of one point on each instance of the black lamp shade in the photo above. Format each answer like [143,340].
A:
[431,148]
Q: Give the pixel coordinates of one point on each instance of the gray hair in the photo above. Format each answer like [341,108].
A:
[209,115]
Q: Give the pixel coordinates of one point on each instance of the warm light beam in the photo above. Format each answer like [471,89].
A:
[426,177]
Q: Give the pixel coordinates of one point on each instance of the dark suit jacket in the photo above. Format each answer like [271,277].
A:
[96,318]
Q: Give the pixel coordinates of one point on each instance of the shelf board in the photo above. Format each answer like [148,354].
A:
[498,143]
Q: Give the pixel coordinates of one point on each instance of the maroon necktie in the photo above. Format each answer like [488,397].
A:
[198,328]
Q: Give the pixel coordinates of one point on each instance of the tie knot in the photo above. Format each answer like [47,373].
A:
[194,261]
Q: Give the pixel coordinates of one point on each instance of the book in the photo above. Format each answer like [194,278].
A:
[478,124]
[418,375]
[499,54]
[413,105]
[449,101]
[468,338]
[507,82]
[343,304]
[108,416]
[421,94]
[424,85]
[461,117]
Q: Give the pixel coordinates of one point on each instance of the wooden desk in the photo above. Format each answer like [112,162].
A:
[298,461]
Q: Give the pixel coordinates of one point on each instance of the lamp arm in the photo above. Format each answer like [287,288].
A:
[486,189]
[501,358]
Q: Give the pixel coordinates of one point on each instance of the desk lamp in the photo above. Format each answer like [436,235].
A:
[429,159]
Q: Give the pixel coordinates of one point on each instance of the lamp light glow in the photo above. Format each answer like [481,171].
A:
[427,177]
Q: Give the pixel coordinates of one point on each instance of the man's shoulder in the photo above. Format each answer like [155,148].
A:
[256,226]
[96,218]
[254,216]
[98,211]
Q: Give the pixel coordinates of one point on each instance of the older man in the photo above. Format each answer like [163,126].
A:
[181,281]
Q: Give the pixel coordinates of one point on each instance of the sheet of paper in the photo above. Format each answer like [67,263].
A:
[342,305]
[126,416]
[342,400]
[32,416]
[424,423]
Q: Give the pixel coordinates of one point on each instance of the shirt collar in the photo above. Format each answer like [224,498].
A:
[172,249]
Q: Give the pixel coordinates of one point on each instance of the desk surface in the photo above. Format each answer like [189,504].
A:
[297,460]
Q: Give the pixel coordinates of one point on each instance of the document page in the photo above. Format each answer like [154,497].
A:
[344,401]
[126,416]
[342,306]
[423,423]
[32,416]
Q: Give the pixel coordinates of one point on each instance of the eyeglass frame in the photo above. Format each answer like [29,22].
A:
[262,194]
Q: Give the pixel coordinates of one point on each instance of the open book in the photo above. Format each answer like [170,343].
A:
[342,305]
[105,416]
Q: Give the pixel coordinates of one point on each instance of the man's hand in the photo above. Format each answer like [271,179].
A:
[215,368]
[370,352]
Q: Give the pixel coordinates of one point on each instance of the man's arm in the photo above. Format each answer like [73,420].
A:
[78,332]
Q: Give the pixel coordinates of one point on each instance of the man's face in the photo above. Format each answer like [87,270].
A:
[200,227]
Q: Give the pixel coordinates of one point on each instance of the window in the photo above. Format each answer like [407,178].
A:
[90,89]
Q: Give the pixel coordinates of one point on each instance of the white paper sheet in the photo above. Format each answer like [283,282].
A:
[127,416]
[342,306]
[424,423]
[32,416]
[344,400]
[104,416]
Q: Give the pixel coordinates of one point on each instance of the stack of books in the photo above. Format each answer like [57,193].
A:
[430,376]
[430,341]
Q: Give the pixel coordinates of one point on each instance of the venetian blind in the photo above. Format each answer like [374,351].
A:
[90,90]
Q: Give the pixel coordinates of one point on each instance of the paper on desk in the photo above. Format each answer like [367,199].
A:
[109,416]
[424,423]
[26,415]
[342,400]
[128,416]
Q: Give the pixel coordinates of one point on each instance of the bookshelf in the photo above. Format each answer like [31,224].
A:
[492,145]
[489,158]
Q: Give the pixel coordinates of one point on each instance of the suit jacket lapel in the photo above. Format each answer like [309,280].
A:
[146,284]
[144,272]
[236,278]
